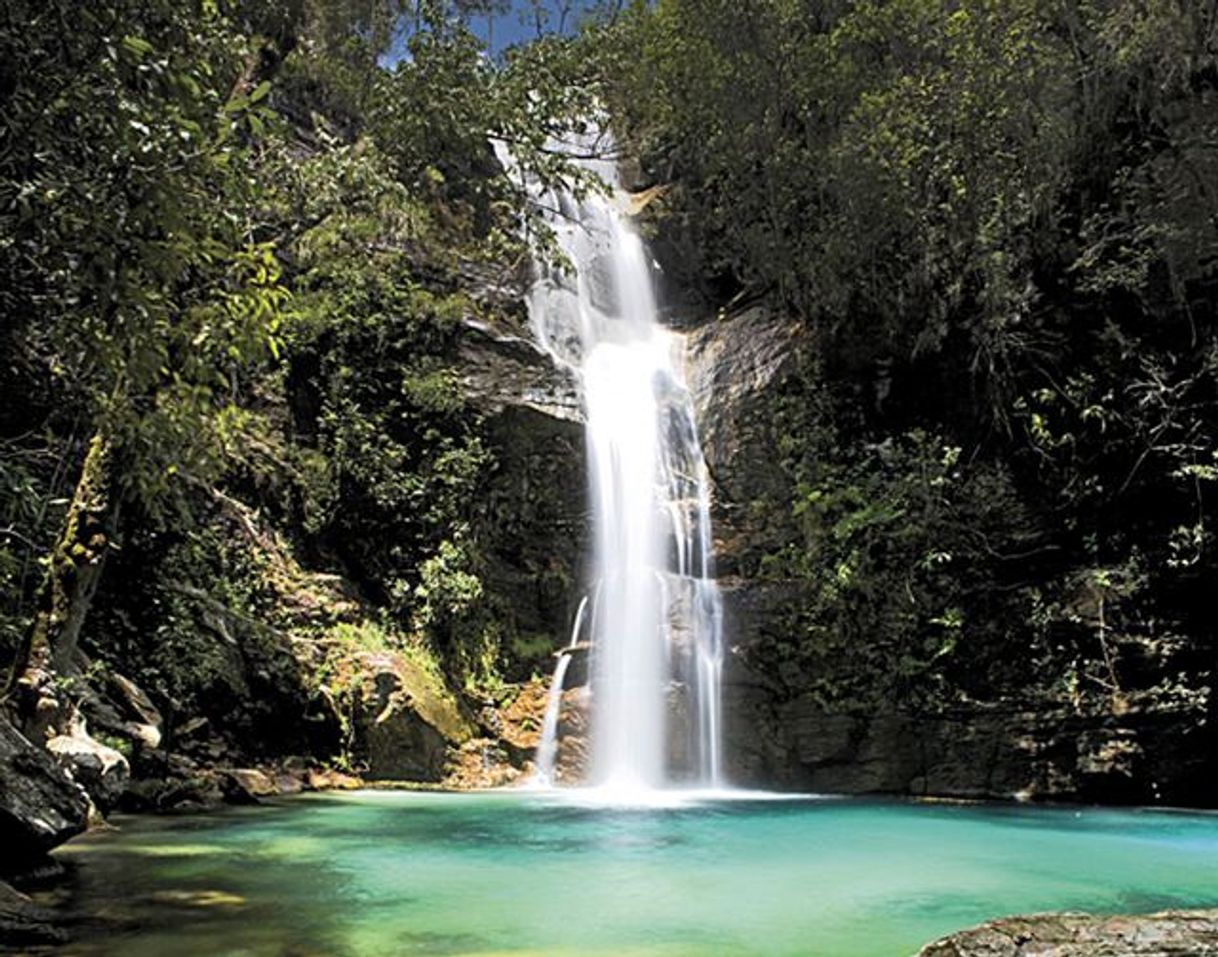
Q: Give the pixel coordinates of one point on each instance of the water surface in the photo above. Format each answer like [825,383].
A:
[376,874]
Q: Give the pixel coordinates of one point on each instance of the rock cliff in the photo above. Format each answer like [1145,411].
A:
[782,730]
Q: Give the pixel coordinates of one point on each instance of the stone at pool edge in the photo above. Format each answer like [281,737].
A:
[40,805]
[1173,933]
[101,770]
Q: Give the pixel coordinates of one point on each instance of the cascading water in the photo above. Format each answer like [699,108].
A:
[547,749]
[656,616]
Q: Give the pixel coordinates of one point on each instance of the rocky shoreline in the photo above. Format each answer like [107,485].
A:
[1174,933]
[49,796]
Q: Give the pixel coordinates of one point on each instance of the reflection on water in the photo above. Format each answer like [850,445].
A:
[379,874]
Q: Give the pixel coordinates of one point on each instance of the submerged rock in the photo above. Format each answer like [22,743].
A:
[198,898]
[40,805]
[25,924]
[1192,933]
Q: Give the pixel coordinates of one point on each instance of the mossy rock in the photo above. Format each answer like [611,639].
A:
[405,721]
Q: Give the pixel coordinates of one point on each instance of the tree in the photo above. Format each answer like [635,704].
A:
[132,265]
[996,220]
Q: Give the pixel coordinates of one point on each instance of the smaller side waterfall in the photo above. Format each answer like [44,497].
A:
[684,476]
[547,747]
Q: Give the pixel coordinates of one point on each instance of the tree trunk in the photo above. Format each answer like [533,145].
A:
[74,569]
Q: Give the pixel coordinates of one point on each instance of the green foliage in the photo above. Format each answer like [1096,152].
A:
[131,271]
[902,546]
[403,456]
[233,245]
[996,223]
[362,635]
[30,510]
[447,590]
[240,250]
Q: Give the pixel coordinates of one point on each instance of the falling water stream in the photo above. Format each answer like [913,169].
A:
[656,616]
[547,749]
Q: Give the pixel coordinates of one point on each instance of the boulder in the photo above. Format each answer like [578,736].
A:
[481,763]
[40,805]
[202,791]
[252,782]
[140,719]
[101,770]
[120,708]
[328,779]
[288,783]
[1167,934]
[406,721]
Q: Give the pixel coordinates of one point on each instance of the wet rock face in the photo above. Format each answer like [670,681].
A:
[504,370]
[40,805]
[1166,934]
[737,367]
[740,368]
[977,753]
[573,763]
[778,734]
[532,522]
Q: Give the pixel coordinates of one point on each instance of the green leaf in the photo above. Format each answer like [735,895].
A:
[137,45]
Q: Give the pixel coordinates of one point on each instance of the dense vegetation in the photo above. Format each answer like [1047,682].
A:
[235,249]
[999,222]
[235,253]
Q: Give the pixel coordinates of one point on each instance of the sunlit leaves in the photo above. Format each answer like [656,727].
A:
[131,261]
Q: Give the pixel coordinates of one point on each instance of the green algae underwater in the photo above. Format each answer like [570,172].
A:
[376,874]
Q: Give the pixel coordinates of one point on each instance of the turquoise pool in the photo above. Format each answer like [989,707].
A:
[376,874]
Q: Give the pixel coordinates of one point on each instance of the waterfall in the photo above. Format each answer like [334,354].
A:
[656,622]
[547,748]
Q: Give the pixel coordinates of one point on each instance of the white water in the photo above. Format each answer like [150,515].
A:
[547,749]
[656,623]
